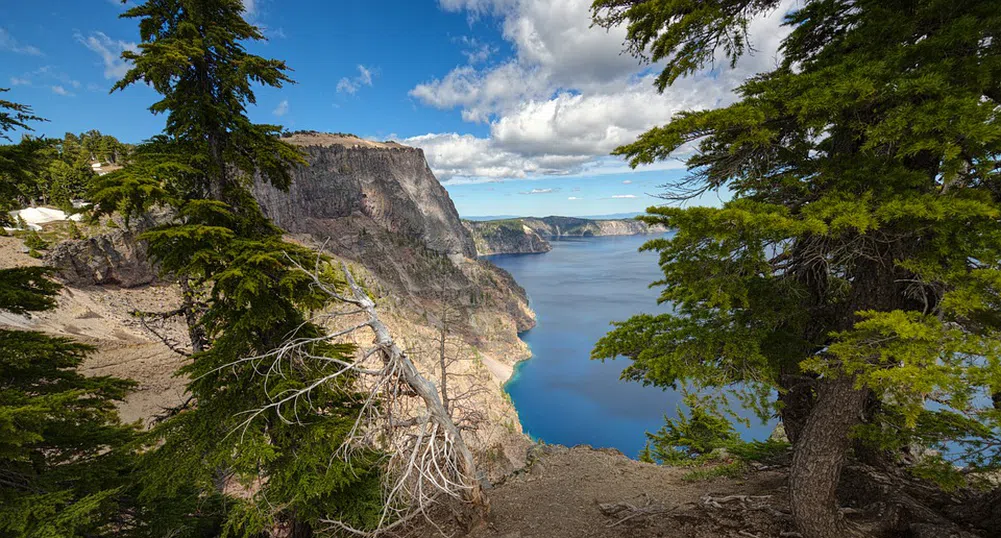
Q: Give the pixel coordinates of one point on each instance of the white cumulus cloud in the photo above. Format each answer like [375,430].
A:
[568,95]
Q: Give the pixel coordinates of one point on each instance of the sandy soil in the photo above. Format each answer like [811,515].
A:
[501,372]
[100,317]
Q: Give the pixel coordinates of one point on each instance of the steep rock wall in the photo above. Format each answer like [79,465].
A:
[387,183]
[529,235]
[506,237]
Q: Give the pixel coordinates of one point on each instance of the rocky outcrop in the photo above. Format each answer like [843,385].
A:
[529,235]
[380,205]
[556,227]
[113,258]
[506,237]
[387,184]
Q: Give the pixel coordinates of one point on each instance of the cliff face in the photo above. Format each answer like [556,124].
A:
[385,183]
[530,234]
[378,207]
[506,237]
[556,227]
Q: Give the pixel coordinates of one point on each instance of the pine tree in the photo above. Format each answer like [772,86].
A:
[64,461]
[19,163]
[856,268]
[243,294]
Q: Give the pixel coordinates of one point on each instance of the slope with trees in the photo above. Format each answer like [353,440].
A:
[65,457]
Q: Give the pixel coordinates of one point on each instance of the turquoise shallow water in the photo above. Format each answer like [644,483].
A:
[577,290]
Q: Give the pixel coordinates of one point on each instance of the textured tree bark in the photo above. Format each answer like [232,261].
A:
[797,400]
[819,457]
[195,331]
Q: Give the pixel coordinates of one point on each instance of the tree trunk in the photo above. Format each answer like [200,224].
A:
[195,331]
[444,368]
[796,399]
[819,457]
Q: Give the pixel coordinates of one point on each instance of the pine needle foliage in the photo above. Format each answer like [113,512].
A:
[215,466]
[64,457]
[860,252]
[19,163]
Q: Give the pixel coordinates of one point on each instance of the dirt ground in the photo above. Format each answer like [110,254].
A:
[567,492]
[99,317]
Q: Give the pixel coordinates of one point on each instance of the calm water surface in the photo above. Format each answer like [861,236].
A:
[577,290]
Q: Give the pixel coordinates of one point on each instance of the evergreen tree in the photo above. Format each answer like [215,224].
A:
[19,163]
[856,268]
[64,465]
[243,294]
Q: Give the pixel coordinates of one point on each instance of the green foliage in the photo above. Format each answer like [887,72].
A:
[685,439]
[74,231]
[19,163]
[862,238]
[27,289]
[250,295]
[34,241]
[62,447]
[732,469]
[42,171]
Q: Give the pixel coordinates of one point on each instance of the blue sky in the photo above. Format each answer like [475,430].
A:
[517,103]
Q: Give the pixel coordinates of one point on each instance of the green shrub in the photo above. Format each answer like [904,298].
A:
[691,438]
[35,242]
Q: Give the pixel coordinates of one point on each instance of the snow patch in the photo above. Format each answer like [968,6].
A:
[34,217]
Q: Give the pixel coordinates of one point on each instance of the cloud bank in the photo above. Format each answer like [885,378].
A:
[567,96]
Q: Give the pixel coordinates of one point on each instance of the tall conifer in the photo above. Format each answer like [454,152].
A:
[243,296]
[856,267]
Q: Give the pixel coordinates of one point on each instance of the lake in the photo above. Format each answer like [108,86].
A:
[577,290]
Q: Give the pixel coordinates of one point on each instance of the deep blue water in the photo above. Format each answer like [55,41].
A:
[577,290]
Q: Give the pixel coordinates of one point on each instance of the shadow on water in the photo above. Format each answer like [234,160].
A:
[577,290]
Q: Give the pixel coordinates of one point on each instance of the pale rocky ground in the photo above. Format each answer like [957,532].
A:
[99,316]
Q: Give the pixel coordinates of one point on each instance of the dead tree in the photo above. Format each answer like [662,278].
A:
[402,412]
[450,351]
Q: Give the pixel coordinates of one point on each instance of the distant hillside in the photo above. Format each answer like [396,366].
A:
[530,234]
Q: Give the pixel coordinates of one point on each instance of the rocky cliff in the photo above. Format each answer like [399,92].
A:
[506,237]
[376,206]
[379,207]
[375,184]
[379,204]
[530,234]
